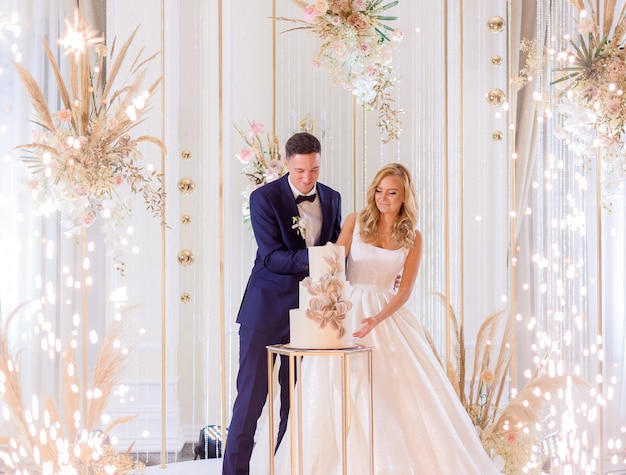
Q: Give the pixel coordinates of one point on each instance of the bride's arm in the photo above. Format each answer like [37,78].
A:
[345,236]
[409,275]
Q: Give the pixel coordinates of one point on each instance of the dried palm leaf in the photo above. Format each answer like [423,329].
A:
[529,405]
[107,373]
[37,97]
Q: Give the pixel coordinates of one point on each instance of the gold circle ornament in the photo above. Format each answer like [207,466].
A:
[495,97]
[185,154]
[186,185]
[495,24]
[186,258]
[185,297]
[497,136]
[185,219]
[496,60]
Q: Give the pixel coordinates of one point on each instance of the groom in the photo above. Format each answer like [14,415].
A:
[287,215]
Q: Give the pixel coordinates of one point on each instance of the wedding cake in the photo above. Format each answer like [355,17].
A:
[322,320]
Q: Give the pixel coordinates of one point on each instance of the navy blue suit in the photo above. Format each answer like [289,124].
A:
[282,261]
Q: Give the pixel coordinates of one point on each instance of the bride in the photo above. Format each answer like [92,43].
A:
[420,426]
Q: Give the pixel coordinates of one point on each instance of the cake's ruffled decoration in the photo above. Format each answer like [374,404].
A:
[326,306]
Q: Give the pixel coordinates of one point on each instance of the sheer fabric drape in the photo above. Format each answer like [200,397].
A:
[556,304]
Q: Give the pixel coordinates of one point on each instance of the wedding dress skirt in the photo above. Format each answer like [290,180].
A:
[420,426]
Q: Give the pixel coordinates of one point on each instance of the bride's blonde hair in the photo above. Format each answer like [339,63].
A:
[403,229]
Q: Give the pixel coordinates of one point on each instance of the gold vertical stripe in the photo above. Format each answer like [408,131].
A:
[354,156]
[446,179]
[163,258]
[461,174]
[600,308]
[274,62]
[83,239]
[512,190]
[220,40]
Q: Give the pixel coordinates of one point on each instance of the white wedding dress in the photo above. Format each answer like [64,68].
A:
[420,426]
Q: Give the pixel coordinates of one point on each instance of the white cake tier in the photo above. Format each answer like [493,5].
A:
[307,334]
[326,260]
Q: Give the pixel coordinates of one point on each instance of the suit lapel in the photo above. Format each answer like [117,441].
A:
[290,210]
[326,218]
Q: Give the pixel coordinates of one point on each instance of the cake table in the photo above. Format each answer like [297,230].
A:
[295,356]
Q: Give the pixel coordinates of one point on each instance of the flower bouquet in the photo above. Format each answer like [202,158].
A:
[262,161]
[356,50]
[83,153]
[591,78]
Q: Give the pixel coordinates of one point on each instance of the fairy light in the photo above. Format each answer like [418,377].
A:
[79,37]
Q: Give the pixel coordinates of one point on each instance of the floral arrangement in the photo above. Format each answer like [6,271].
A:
[510,430]
[356,50]
[262,161]
[591,79]
[64,439]
[83,153]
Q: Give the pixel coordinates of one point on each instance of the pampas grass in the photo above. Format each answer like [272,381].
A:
[509,430]
[64,440]
[82,153]
[484,395]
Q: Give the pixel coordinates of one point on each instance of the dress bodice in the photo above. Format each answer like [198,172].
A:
[371,267]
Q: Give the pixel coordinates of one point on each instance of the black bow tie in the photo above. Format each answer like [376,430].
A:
[301,198]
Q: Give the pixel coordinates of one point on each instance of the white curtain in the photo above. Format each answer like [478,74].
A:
[556,231]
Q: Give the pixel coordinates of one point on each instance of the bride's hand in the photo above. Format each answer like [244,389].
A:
[368,325]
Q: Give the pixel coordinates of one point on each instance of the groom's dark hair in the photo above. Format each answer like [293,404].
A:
[302,143]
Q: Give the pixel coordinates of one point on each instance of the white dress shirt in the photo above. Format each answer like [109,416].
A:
[311,212]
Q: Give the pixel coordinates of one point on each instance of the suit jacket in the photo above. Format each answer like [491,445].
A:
[282,259]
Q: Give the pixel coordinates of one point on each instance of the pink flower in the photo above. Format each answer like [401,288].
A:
[614,107]
[397,35]
[335,20]
[310,14]
[586,26]
[112,122]
[88,218]
[511,437]
[340,50]
[487,376]
[64,115]
[363,49]
[245,155]
[359,21]
[358,5]
[33,184]
[256,129]
[117,180]
[81,190]
[615,70]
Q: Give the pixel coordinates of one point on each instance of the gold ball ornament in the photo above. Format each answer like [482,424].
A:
[495,24]
[185,154]
[496,60]
[186,258]
[497,136]
[185,219]
[186,185]
[185,297]
[495,97]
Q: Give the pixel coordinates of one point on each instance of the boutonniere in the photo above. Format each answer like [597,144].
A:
[299,224]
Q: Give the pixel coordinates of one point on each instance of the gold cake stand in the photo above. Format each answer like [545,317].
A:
[295,363]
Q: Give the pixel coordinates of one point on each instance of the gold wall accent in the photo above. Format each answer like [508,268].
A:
[495,97]
[186,185]
[495,24]
[186,257]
